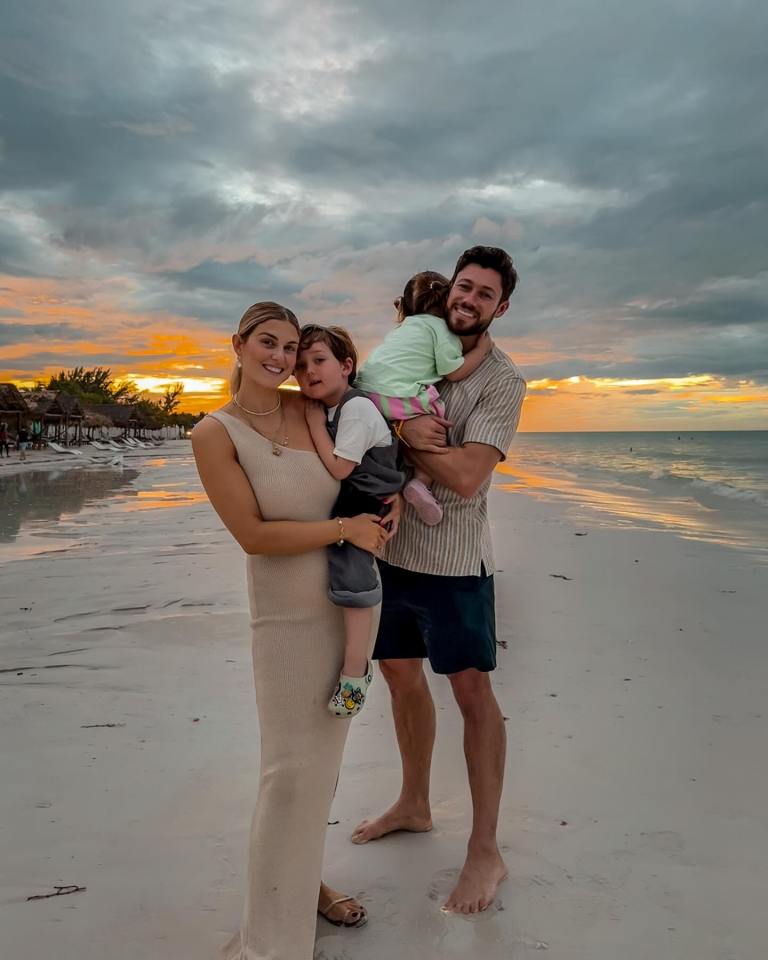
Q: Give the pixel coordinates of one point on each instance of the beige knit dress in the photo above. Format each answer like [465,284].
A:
[298,650]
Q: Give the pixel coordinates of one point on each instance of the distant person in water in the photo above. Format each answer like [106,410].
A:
[438,581]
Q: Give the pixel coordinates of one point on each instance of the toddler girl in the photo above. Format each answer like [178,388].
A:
[400,374]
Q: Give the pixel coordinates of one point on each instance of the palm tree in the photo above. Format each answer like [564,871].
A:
[171,396]
[97,385]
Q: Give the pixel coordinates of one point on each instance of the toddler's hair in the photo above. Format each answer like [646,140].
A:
[337,339]
[425,292]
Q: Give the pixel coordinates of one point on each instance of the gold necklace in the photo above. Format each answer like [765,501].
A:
[257,413]
[277,444]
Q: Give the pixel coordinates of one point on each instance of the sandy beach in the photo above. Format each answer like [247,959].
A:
[632,675]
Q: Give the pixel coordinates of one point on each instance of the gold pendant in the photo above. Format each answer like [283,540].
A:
[276,451]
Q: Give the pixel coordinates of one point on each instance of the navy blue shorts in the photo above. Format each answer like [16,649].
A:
[450,620]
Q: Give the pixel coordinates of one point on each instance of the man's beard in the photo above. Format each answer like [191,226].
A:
[478,327]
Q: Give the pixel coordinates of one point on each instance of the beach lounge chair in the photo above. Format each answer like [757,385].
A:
[78,454]
[66,450]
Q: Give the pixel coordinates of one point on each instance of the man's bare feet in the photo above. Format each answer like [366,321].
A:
[479,880]
[396,818]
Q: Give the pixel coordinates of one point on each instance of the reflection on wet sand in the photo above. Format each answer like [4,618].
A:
[157,499]
[50,494]
[629,506]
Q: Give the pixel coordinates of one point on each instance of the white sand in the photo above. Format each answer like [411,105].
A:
[635,815]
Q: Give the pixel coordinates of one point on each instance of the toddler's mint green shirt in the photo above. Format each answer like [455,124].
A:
[415,354]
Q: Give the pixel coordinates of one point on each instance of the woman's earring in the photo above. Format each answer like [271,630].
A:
[238,363]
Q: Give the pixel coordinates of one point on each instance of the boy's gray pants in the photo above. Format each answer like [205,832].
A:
[353,577]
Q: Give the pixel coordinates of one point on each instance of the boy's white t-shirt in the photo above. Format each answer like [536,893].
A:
[361,427]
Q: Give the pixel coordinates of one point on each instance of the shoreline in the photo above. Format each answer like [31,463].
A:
[614,502]
[599,498]
[48,460]
[632,675]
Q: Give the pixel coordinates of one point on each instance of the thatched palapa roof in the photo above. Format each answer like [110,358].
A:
[53,405]
[11,399]
[123,415]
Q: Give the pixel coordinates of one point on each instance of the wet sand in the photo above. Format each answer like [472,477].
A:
[48,459]
[634,815]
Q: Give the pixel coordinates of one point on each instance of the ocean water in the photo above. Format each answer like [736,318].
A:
[709,485]
[47,512]
[706,486]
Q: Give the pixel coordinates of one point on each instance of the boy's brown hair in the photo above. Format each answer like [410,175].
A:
[337,339]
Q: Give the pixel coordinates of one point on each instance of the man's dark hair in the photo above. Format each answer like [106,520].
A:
[492,258]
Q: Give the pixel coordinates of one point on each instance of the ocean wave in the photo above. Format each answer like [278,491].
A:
[721,489]
[717,488]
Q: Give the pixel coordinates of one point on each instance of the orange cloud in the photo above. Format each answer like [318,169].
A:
[152,345]
[761,398]
[664,403]
[158,349]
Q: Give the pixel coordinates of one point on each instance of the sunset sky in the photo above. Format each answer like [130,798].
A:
[164,165]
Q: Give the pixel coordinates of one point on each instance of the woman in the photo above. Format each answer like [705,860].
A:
[263,477]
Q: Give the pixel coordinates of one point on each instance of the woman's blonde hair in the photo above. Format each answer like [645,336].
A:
[425,292]
[253,317]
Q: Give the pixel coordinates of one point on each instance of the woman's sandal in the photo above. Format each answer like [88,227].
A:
[360,917]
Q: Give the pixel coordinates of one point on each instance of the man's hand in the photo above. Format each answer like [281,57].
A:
[427,433]
[314,413]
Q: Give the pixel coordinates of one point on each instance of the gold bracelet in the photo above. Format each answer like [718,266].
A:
[340,541]
[399,432]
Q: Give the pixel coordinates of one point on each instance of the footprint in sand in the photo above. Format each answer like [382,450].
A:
[333,948]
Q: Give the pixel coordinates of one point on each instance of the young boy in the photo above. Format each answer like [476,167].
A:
[357,447]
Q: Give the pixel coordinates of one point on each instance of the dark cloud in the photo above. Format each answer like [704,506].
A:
[18,256]
[26,332]
[714,308]
[668,357]
[22,367]
[318,154]
[245,276]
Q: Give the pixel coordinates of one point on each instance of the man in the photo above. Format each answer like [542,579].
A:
[438,584]
[22,442]
[37,435]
